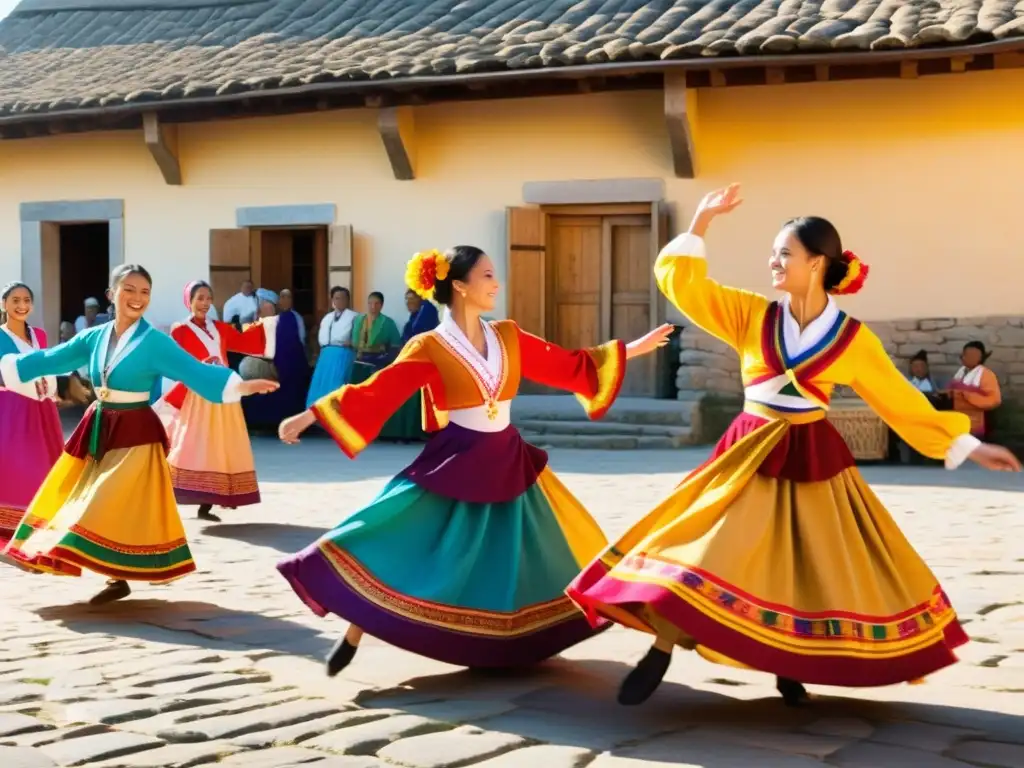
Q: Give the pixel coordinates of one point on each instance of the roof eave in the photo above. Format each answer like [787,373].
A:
[405,84]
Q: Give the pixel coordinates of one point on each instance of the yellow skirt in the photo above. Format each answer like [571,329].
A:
[777,556]
[210,458]
[114,515]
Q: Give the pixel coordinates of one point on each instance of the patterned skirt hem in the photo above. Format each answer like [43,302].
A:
[61,561]
[630,603]
[452,636]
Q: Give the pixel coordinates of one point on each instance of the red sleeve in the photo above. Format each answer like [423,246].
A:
[355,414]
[594,375]
[251,341]
[187,340]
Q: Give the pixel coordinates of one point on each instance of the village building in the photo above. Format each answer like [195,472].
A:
[309,144]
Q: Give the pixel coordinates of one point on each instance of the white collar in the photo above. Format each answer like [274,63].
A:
[489,368]
[108,362]
[797,341]
[210,339]
[19,343]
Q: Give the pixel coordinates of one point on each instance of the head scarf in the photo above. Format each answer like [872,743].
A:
[266,295]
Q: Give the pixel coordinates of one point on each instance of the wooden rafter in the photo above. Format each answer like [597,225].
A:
[397,131]
[680,104]
[162,141]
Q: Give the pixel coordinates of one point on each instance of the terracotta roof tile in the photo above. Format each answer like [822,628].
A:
[66,54]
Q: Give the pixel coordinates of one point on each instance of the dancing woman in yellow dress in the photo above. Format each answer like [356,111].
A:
[775,555]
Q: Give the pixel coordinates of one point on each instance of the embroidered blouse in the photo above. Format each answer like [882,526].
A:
[211,342]
[132,365]
[12,344]
[466,388]
[793,371]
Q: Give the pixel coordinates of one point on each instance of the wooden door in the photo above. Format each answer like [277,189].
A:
[626,290]
[275,259]
[526,269]
[575,279]
[230,263]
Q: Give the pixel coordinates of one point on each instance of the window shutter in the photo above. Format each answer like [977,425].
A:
[526,269]
[230,263]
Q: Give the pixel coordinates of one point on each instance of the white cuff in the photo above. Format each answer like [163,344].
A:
[686,244]
[232,392]
[270,331]
[12,380]
[961,448]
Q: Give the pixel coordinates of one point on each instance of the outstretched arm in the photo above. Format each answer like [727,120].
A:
[937,434]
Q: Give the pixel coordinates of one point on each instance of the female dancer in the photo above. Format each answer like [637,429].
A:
[108,505]
[210,458]
[33,437]
[463,557]
[775,555]
[337,353]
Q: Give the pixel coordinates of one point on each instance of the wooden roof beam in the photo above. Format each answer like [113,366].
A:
[680,120]
[398,132]
[162,142]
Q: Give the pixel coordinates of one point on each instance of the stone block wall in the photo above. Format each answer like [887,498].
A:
[707,366]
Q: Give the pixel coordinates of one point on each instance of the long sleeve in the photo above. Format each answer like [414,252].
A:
[355,414]
[936,434]
[594,375]
[18,372]
[258,339]
[211,382]
[682,274]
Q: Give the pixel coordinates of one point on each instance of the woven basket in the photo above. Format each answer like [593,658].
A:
[864,432]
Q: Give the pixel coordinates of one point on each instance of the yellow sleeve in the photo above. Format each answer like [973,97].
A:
[932,433]
[682,274]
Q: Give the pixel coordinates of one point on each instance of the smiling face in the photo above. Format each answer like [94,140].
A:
[18,304]
[794,269]
[131,297]
[480,286]
[202,300]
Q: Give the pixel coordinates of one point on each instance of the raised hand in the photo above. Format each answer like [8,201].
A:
[995,457]
[650,341]
[720,201]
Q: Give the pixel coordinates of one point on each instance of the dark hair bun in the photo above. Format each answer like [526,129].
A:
[461,260]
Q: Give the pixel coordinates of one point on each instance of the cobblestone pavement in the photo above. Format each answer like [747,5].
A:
[225,665]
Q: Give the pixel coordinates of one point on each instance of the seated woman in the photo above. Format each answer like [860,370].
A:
[334,365]
[289,368]
[406,425]
[975,388]
[376,337]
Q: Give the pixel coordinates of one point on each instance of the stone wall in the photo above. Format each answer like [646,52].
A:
[707,366]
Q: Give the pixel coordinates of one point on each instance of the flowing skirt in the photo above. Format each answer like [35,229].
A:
[463,557]
[30,445]
[776,555]
[333,369]
[107,505]
[211,457]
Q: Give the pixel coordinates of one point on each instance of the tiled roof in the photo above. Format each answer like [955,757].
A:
[68,54]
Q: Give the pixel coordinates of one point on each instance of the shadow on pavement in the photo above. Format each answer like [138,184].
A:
[282,537]
[186,622]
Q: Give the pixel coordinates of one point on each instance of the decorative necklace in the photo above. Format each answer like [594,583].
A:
[489,390]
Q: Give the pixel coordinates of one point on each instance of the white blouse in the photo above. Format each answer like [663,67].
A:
[336,328]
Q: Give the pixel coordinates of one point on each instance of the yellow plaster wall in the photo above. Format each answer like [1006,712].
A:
[921,176]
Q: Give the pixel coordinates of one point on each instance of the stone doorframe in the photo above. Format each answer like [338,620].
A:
[40,247]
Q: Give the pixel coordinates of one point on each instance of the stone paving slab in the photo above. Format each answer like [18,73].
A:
[229,657]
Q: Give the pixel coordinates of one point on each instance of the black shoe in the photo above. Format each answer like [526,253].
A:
[645,678]
[115,590]
[206,514]
[793,693]
[340,656]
